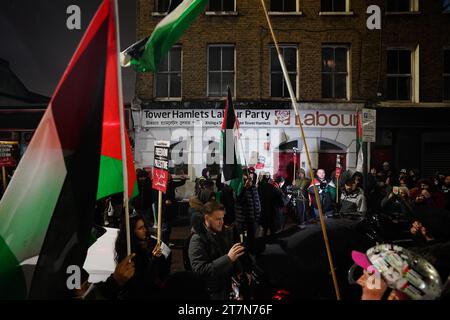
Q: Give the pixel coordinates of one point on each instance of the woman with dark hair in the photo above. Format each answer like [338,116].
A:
[151,266]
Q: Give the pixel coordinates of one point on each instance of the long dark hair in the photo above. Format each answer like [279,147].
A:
[121,241]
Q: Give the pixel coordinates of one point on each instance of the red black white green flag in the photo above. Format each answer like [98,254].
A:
[48,208]
[232,167]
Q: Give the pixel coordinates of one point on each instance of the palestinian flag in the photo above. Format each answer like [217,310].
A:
[146,54]
[359,145]
[232,168]
[111,168]
[48,208]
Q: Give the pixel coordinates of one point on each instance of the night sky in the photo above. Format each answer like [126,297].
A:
[35,40]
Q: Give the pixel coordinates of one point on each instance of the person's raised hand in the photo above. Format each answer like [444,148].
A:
[157,252]
[236,251]
[124,270]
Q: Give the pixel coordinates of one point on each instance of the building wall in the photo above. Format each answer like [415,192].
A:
[427,30]
[249,32]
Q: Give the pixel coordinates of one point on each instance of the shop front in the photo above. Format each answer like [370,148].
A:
[270,139]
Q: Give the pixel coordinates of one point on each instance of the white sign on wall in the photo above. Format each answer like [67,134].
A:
[338,119]
[369,125]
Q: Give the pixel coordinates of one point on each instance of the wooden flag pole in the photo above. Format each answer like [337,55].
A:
[316,193]
[122,132]
[337,190]
[159,215]
[4,179]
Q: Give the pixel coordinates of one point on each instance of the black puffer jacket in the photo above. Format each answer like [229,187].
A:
[251,206]
[208,256]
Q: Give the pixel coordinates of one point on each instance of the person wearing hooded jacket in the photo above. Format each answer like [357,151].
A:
[352,199]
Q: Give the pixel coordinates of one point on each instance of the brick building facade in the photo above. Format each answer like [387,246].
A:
[337,66]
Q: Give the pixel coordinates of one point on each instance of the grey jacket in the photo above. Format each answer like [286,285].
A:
[354,202]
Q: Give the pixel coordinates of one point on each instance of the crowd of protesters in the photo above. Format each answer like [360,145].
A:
[223,223]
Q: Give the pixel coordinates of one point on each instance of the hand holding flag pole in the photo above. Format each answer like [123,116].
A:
[316,193]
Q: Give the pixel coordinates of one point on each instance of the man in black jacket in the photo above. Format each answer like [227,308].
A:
[212,254]
[251,208]
[170,207]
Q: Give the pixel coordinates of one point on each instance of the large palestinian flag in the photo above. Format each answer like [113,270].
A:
[146,54]
[232,167]
[48,207]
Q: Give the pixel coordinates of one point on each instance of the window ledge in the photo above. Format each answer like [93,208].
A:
[408,104]
[401,13]
[159,14]
[289,13]
[335,100]
[282,99]
[169,99]
[332,13]
[221,13]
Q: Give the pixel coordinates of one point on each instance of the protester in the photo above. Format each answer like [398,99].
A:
[214,253]
[246,220]
[352,199]
[143,202]
[170,207]
[397,202]
[272,202]
[151,266]
[426,195]
[327,195]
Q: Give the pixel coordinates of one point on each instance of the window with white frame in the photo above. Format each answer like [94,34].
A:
[221,64]
[165,6]
[446,6]
[278,86]
[221,5]
[402,5]
[447,74]
[284,5]
[399,74]
[334,5]
[168,77]
[335,74]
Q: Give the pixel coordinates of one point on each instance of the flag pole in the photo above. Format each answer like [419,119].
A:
[4,178]
[239,132]
[297,116]
[122,132]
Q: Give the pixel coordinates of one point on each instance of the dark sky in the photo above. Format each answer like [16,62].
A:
[35,40]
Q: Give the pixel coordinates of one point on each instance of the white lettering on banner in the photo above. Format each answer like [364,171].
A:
[250,118]
[161,164]
[161,152]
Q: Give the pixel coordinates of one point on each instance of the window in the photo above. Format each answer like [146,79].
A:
[402,5]
[278,87]
[166,5]
[220,70]
[399,74]
[221,5]
[447,74]
[333,5]
[446,6]
[168,77]
[283,5]
[335,84]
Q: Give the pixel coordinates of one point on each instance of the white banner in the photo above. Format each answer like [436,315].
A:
[248,118]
